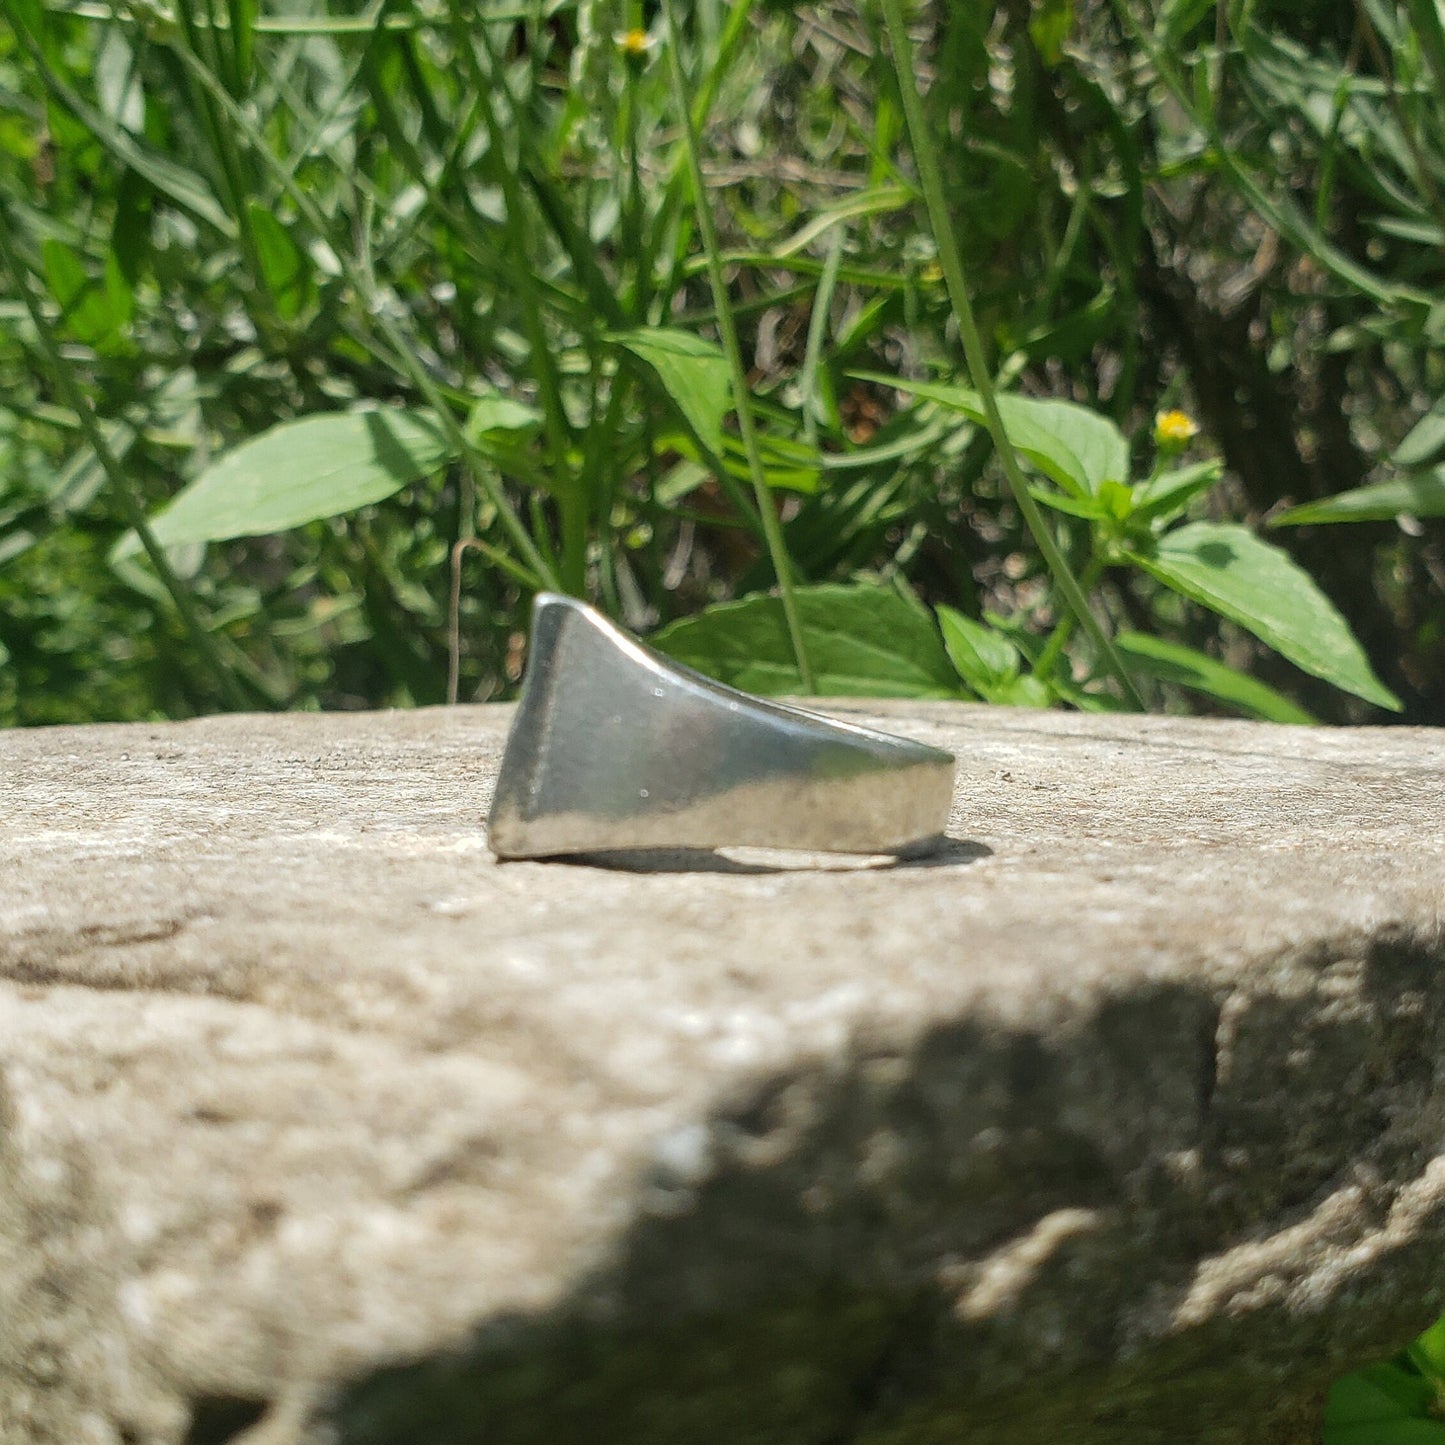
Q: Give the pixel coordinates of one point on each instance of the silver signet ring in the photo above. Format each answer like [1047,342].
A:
[616,747]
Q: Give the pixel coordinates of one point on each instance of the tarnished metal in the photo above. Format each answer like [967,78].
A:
[617,747]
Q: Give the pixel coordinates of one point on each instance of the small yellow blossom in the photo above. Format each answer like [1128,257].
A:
[634,43]
[1174,429]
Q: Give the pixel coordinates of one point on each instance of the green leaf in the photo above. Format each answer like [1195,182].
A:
[1089,508]
[118,81]
[1425,440]
[299,471]
[1074,447]
[1049,29]
[285,267]
[1117,500]
[1023,692]
[16,544]
[1184,667]
[680,480]
[1396,1430]
[1229,570]
[493,417]
[1419,496]
[1161,498]
[1088,701]
[985,659]
[1429,1350]
[787,464]
[93,310]
[693,372]
[862,642]
[1382,1405]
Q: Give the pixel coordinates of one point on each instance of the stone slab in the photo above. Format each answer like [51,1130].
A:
[1120,1120]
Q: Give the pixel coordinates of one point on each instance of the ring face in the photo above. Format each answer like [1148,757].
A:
[616,747]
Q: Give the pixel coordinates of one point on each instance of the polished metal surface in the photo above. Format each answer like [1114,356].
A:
[616,747]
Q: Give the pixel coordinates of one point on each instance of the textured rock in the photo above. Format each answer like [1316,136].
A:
[1120,1121]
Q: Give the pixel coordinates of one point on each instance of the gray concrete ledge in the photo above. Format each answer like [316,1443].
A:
[1120,1121]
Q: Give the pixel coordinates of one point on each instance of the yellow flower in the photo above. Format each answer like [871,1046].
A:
[1174,429]
[634,43]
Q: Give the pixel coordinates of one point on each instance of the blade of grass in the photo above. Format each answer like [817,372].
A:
[727,327]
[817,331]
[951,259]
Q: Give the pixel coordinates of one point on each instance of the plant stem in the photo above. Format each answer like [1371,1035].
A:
[727,327]
[131,509]
[1063,629]
[951,260]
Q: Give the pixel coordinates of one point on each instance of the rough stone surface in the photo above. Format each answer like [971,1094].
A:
[1120,1121]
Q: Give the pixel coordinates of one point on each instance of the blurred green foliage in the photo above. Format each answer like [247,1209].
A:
[229,215]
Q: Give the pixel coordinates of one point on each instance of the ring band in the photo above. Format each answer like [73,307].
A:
[616,747]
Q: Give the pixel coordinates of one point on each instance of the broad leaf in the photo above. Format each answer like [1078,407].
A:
[1074,447]
[1229,570]
[1184,667]
[693,372]
[299,471]
[1420,496]
[861,642]
[1024,691]
[985,659]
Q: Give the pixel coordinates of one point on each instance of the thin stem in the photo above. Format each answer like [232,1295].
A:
[130,508]
[727,327]
[1063,630]
[951,260]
